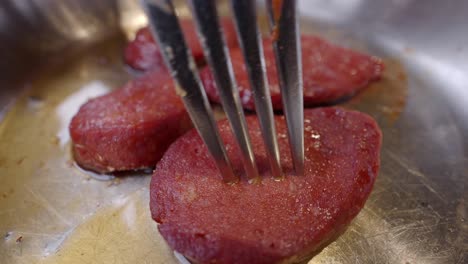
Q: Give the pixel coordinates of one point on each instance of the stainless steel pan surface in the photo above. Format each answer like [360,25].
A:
[54,55]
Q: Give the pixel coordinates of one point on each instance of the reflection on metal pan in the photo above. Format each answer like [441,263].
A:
[54,213]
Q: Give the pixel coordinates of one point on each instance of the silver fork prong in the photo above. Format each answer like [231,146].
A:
[217,55]
[286,44]
[179,60]
[245,17]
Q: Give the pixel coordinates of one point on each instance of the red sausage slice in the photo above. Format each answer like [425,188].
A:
[330,72]
[211,222]
[129,128]
[144,54]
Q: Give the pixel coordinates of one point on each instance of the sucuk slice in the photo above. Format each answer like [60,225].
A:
[330,73]
[209,221]
[129,128]
[144,54]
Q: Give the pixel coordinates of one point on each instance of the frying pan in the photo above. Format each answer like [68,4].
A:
[54,55]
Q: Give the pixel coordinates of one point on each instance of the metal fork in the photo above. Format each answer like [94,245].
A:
[178,58]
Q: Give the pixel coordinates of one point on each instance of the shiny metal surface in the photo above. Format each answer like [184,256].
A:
[50,212]
[287,49]
[216,52]
[245,16]
[178,58]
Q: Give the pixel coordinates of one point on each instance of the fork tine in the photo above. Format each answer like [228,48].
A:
[217,54]
[286,44]
[179,60]
[245,17]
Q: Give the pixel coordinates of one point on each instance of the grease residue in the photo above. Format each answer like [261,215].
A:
[385,99]
[124,223]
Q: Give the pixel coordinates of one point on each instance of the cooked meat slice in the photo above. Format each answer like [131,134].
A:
[144,54]
[209,221]
[330,73]
[129,128]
